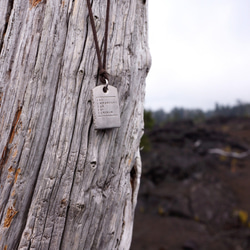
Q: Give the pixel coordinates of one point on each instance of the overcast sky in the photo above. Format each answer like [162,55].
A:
[200,53]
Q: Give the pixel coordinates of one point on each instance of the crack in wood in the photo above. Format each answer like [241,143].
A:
[1,96]
[133,181]
[7,149]
[7,17]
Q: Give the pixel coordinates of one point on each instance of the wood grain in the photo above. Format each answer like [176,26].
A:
[64,185]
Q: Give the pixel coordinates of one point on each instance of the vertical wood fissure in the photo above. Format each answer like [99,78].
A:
[5,18]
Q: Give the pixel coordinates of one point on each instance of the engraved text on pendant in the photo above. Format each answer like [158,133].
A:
[105,106]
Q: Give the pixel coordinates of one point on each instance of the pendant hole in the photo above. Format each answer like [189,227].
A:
[105,89]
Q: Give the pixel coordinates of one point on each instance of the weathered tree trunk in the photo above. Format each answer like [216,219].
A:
[64,185]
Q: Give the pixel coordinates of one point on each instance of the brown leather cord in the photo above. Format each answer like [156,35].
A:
[101,65]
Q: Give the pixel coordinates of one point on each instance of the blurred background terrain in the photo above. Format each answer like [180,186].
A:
[194,192]
[195,184]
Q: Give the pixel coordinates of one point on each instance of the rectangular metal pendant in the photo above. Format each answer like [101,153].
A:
[105,107]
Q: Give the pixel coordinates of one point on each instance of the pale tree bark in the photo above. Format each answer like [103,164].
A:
[63,184]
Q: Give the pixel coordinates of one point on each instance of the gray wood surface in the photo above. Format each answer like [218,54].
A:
[64,185]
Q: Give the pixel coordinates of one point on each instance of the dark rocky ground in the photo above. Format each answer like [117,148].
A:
[191,198]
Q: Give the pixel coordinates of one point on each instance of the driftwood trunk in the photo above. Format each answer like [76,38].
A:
[64,185]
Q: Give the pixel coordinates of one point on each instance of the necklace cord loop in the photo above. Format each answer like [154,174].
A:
[103,74]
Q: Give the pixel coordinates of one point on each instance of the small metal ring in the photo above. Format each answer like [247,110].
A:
[107,83]
[105,89]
